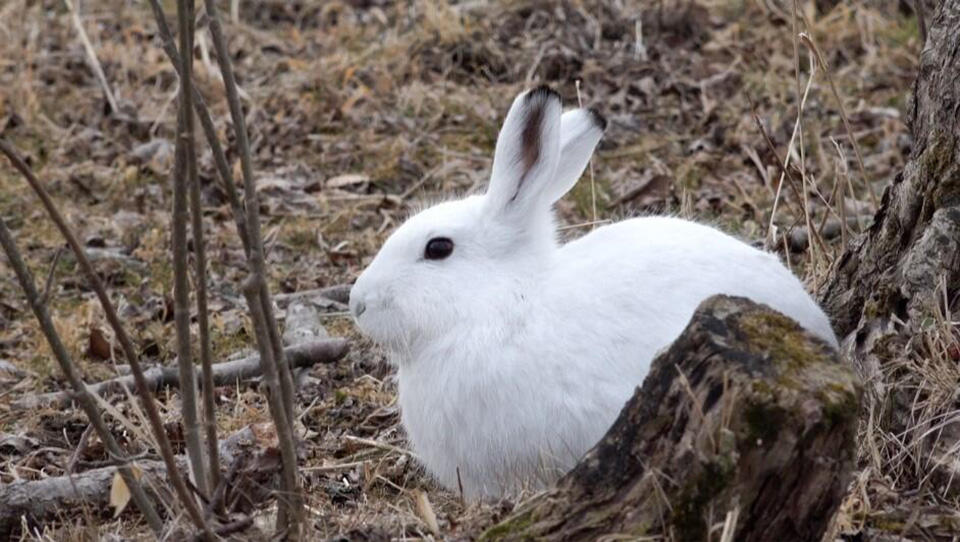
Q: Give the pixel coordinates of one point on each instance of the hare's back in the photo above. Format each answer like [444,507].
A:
[661,268]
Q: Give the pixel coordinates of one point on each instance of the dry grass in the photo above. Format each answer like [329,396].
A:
[360,112]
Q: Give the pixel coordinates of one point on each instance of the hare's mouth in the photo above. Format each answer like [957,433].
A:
[383,324]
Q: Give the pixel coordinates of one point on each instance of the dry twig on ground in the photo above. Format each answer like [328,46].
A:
[223,374]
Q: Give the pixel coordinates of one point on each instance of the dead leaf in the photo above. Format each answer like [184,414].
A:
[425,511]
[98,346]
[119,492]
[651,188]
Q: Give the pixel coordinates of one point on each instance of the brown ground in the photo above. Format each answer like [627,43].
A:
[361,111]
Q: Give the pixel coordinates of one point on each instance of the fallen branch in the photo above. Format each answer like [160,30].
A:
[337,294]
[249,453]
[41,500]
[225,373]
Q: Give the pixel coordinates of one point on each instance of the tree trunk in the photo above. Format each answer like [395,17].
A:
[899,266]
[747,422]
[892,292]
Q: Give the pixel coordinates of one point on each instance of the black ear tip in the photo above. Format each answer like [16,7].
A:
[542,93]
[598,119]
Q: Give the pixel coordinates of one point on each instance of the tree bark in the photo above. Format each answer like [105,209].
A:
[892,291]
[900,264]
[747,422]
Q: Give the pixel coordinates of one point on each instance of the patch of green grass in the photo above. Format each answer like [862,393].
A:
[582,195]
[512,528]
[900,32]
[690,507]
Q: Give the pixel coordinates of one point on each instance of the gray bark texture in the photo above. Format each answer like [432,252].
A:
[746,420]
[891,293]
[912,250]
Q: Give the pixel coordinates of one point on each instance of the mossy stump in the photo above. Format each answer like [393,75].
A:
[746,420]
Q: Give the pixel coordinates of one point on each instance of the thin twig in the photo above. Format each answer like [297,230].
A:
[149,404]
[200,262]
[209,130]
[92,57]
[268,338]
[181,279]
[80,448]
[808,41]
[786,158]
[379,445]
[783,171]
[337,466]
[48,285]
[803,159]
[84,397]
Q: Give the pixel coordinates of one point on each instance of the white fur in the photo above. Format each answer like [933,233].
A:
[515,354]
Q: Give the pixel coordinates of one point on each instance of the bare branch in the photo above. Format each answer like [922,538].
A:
[225,373]
[209,130]
[153,414]
[70,371]
[289,520]
[268,336]
[203,322]
[181,279]
[48,285]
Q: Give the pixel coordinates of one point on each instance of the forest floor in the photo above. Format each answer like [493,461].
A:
[362,111]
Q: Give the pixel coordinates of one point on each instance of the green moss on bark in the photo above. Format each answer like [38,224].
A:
[689,508]
[513,528]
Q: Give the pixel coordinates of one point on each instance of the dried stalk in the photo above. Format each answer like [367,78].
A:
[92,57]
[83,396]
[268,336]
[251,201]
[206,123]
[200,262]
[181,278]
[289,520]
[126,344]
[810,44]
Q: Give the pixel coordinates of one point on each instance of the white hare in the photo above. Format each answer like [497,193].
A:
[515,353]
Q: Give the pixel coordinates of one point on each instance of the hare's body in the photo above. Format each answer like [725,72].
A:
[521,389]
[515,354]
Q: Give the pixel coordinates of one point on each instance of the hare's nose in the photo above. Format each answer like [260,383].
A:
[358,308]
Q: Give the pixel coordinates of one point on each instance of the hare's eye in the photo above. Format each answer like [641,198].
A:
[438,248]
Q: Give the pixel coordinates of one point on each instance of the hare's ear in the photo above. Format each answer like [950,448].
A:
[527,153]
[580,131]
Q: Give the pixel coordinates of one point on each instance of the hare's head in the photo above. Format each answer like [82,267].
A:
[473,261]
